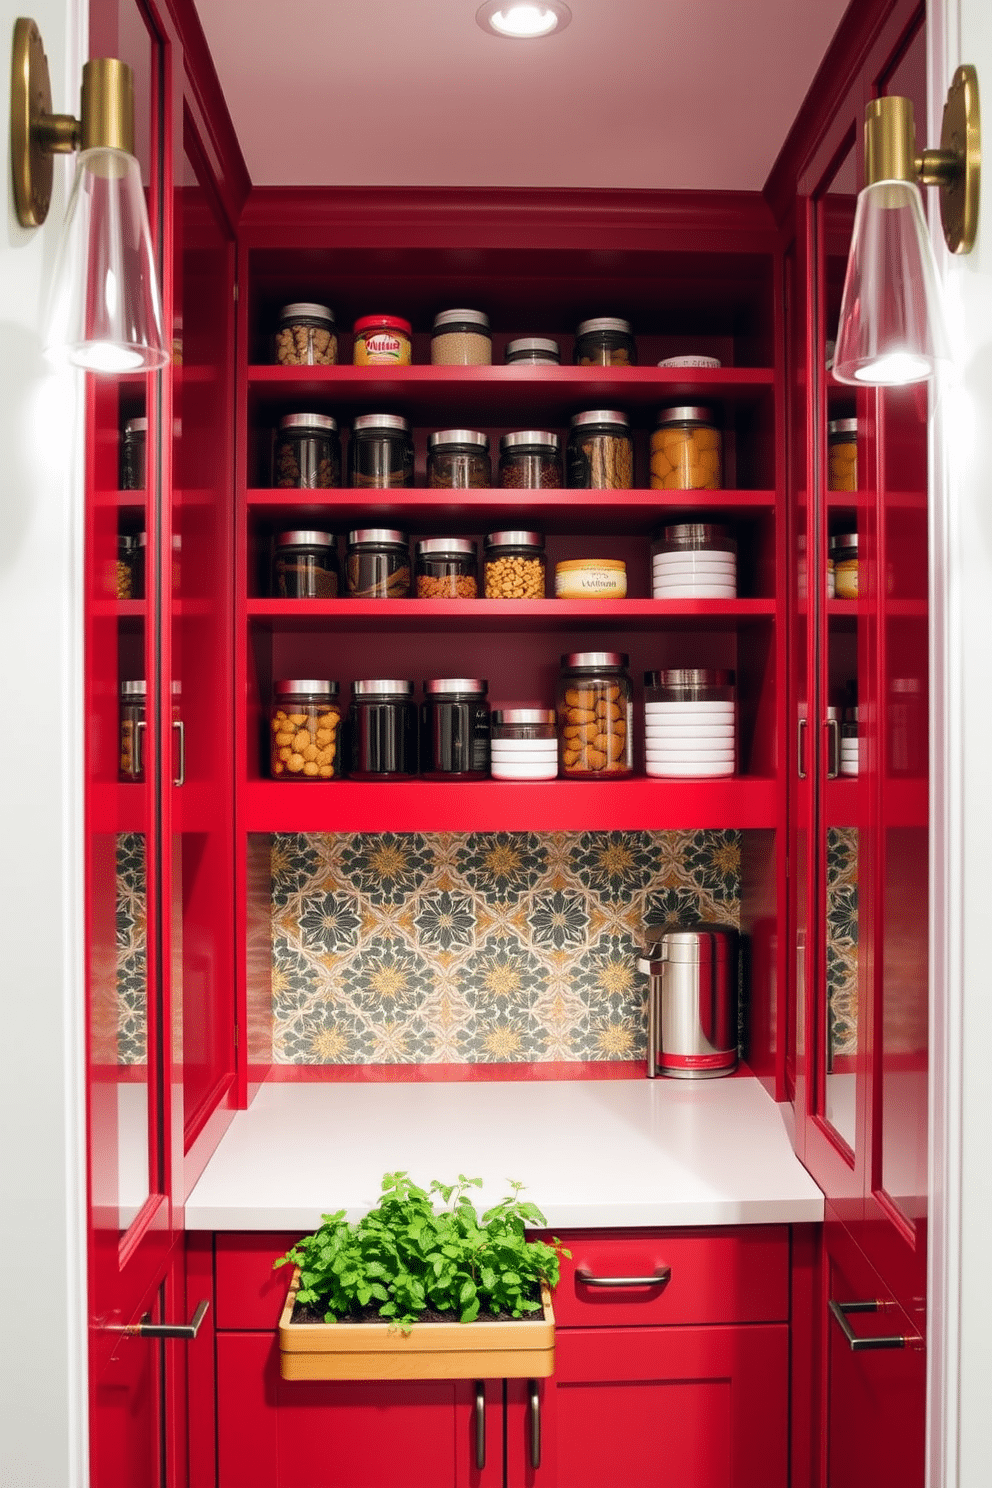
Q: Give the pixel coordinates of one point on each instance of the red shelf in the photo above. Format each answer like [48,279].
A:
[503,615]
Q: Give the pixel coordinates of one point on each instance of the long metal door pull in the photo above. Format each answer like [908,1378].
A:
[840,1311]
[480,1424]
[148,1329]
[535,1425]
[660,1278]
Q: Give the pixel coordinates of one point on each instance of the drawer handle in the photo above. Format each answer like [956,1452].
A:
[480,1424]
[535,1425]
[840,1311]
[660,1278]
[148,1329]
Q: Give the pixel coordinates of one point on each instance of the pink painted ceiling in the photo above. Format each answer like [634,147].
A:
[634,93]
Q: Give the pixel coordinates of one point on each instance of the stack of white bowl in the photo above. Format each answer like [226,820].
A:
[694,573]
[689,738]
[524,759]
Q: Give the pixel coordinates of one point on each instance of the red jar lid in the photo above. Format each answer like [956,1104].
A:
[382,323]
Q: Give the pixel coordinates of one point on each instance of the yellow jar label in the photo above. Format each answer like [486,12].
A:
[846,578]
[382,347]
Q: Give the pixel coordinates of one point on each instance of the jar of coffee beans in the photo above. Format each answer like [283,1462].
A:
[530,459]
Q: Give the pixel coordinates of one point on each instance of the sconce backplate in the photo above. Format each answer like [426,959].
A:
[30,102]
[960,137]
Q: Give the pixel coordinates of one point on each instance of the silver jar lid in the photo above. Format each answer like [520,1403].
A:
[136,426]
[305,539]
[291,686]
[695,534]
[304,310]
[689,677]
[595,659]
[377,535]
[536,346]
[382,687]
[604,323]
[685,413]
[443,686]
[458,436]
[462,317]
[528,438]
[601,416]
[843,426]
[429,546]
[380,421]
[692,943]
[320,423]
[844,540]
[540,717]
[514,540]
[133,689]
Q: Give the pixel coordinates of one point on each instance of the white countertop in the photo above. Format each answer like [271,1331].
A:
[592,1153]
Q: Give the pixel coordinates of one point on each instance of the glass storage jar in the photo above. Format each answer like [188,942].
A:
[686,450]
[377,563]
[843,548]
[125,566]
[306,336]
[513,565]
[842,455]
[382,341]
[690,722]
[530,460]
[595,716]
[305,730]
[380,452]
[458,460]
[132,711]
[461,338]
[305,565]
[447,568]
[533,351]
[454,729]
[133,451]
[605,342]
[849,734]
[307,453]
[382,730]
[524,744]
[600,451]
[694,560]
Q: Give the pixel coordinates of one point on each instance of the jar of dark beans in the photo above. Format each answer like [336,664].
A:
[377,565]
[307,452]
[532,351]
[601,451]
[132,756]
[305,730]
[458,459]
[306,337]
[305,565]
[454,729]
[380,454]
[530,459]
[447,568]
[382,730]
[133,449]
[605,342]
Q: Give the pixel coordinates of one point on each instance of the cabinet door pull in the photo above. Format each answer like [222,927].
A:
[840,1311]
[147,1329]
[535,1425]
[180,779]
[139,762]
[660,1278]
[833,727]
[480,1424]
[800,751]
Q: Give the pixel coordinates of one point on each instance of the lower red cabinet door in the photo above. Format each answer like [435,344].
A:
[275,1433]
[655,1408]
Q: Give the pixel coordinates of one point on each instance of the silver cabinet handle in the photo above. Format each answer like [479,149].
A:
[660,1278]
[840,1311]
[800,752]
[833,769]
[139,763]
[480,1424]
[148,1329]
[535,1425]
[180,779]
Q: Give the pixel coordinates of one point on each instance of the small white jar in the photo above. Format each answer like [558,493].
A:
[524,744]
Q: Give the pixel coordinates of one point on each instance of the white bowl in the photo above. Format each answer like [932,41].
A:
[521,770]
[698,770]
[689,731]
[690,761]
[517,748]
[697,590]
[694,558]
[696,360]
[715,709]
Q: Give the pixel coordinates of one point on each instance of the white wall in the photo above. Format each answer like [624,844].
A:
[42,1254]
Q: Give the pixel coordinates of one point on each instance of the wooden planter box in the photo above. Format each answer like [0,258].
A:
[523,1349]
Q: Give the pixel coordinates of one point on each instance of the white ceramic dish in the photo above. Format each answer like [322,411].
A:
[695,360]
[516,748]
[695,708]
[694,591]
[697,771]
[694,558]
[688,732]
[524,771]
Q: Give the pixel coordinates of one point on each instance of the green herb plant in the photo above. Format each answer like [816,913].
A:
[406,1257]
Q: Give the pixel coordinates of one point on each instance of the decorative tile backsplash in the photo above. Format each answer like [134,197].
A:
[132,959]
[842,940]
[466,948]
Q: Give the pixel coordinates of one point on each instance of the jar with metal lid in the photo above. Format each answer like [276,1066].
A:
[694,560]
[377,564]
[382,730]
[458,460]
[686,450]
[595,716]
[305,565]
[305,730]
[530,460]
[600,451]
[843,548]
[842,455]
[133,455]
[454,729]
[382,341]
[380,452]
[125,566]
[461,338]
[524,744]
[605,342]
[132,711]
[690,722]
[513,565]
[307,453]
[532,351]
[306,336]
[447,568]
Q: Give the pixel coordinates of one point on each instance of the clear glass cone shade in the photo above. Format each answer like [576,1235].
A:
[891,322]
[106,312]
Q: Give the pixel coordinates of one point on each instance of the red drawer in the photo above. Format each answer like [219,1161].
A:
[716,1276]
[250,1294]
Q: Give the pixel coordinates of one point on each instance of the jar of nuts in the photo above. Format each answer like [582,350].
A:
[686,450]
[307,336]
[605,342]
[532,351]
[842,445]
[447,568]
[458,460]
[513,565]
[595,714]
[461,338]
[600,451]
[307,452]
[454,729]
[380,453]
[305,731]
[132,758]
[530,460]
[305,566]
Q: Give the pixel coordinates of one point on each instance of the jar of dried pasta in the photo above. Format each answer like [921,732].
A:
[513,565]
[600,451]
[305,730]
[686,450]
[306,336]
[595,714]
[447,568]
[842,446]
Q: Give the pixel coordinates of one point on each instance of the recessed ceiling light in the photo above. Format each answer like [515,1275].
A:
[523,20]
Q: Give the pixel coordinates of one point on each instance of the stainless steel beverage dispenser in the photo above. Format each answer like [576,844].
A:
[692,1002]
